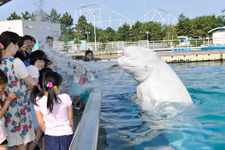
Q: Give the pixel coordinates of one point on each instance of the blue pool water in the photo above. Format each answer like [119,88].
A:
[128,124]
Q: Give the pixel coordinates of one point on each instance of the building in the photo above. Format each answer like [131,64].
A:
[218,35]
[184,41]
[39,30]
[2,2]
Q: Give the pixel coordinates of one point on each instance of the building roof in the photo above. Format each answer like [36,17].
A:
[2,2]
[218,28]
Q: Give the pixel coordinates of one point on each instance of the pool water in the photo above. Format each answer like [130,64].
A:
[126,123]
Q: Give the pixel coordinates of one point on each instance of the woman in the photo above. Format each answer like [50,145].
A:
[19,125]
[21,53]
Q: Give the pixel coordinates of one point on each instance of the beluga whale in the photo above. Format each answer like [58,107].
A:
[157,81]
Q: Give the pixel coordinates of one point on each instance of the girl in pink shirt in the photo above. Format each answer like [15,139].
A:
[3,108]
[54,113]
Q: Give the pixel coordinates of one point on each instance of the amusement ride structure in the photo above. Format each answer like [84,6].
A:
[103,17]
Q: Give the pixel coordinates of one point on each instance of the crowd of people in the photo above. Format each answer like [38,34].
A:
[34,114]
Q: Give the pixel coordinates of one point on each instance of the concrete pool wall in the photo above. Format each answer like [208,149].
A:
[86,134]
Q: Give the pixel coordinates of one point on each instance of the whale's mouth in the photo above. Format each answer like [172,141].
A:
[127,62]
[137,69]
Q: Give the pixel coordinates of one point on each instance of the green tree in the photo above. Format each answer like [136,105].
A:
[41,15]
[26,15]
[183,25]
[201,25]
[101,35]
[14,16]
[67,31]
[171,32]
[136,31]
[82,27]
[32,16]
[154,29]
[123,33]
[110,34]
[54,16]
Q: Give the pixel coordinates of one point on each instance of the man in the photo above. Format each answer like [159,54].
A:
[30,42]
[49,41]
[88,55]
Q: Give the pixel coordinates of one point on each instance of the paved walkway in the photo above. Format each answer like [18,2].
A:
[76,118]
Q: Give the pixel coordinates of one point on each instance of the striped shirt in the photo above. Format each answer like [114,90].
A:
[57,122]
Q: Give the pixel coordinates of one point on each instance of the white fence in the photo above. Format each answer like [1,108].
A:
[69,47]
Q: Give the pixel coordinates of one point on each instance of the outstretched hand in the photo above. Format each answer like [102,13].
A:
[11,96]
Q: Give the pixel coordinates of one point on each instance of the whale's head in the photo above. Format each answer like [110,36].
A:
[137,61]
[157,80]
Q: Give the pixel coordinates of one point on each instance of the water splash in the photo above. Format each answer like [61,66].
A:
[63,64]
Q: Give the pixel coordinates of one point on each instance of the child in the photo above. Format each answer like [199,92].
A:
[37,62]
[80,94]
[37,91]
[54,113]
[3,107]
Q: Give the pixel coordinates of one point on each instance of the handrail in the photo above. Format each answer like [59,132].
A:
[86,134]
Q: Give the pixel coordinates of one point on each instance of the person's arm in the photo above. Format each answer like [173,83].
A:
[29,81]
[40,120]
[22,73]
[70,116]
[10,97]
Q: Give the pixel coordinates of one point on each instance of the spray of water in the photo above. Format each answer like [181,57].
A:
[64,64]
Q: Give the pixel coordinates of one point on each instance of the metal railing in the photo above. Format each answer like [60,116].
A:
[70,47]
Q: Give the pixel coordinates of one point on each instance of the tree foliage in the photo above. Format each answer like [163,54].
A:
[67,31]
[14,16]
[135,31]
[26,16]
[123,33]
[183,25]
[82,30]
[54,17]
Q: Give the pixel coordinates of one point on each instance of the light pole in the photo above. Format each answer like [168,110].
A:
[147,39]
[87,32]
[94,30]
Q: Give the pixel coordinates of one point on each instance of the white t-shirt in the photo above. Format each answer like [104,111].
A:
[56,123]
[20,68]
[33,71]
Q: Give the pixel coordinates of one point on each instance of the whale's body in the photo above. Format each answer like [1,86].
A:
[157,82]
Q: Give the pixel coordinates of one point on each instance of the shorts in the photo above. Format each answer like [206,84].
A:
[34,119]
[58,142]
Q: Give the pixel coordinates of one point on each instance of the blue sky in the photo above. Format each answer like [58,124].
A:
[133,9]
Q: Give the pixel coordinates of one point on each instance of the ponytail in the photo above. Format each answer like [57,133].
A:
[52,97]
[52,79]
[37,90]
